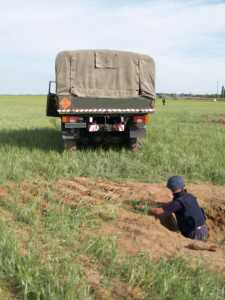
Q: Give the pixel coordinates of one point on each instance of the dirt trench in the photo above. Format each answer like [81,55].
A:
[139,232]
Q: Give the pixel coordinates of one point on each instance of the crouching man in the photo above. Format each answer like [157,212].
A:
[190,216]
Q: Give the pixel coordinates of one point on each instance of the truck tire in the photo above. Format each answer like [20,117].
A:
[70,145]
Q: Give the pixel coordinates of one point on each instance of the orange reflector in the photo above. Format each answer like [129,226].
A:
[66,119]
[147,119]
[141,119]
[71,119]
[65,103]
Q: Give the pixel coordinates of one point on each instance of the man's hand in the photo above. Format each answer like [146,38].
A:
[157,211]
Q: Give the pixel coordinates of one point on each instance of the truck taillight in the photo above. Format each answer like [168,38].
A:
[141,119]
[72,119]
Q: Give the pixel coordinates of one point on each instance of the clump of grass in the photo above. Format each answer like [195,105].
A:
[103,249]
[107,212]
[26,214]
[5,291]
[139,206]
[170,279]
[142,206]
[63,219]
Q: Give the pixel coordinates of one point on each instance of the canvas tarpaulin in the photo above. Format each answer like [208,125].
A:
[105,73]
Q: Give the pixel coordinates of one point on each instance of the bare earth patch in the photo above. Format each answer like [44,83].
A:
[218,120]
[3,192]
[138,232]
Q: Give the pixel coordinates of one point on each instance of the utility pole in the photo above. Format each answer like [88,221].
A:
[217,89]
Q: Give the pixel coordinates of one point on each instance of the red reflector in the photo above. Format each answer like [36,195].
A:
[71,119]
[141,119]
[74,119]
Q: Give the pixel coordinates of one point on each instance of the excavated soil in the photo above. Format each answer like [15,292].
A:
[219,120]
[3,193]
[139,232]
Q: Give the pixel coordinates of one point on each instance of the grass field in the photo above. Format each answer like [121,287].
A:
[52,250]
[184,138]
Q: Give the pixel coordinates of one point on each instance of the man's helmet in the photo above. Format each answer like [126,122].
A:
[175,182]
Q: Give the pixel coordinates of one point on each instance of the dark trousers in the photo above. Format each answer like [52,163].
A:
[200,233]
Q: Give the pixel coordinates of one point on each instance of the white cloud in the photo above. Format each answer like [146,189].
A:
[186,38]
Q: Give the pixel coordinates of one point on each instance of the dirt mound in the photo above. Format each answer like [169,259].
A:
[218,120]
[139,232]
[3,192]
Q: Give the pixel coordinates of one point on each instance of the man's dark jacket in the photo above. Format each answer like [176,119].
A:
[190,216]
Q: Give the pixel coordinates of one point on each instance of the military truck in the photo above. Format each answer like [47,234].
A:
[102,96]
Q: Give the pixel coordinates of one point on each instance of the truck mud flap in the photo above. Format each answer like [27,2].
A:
[75,125]
[137,133]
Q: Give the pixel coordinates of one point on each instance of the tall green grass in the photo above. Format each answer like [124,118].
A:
[32,279]
[181,139]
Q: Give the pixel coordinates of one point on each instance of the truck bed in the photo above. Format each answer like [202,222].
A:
[98,106]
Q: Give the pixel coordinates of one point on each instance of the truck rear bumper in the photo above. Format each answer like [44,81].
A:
[96,127]
[106,111]
[75,125]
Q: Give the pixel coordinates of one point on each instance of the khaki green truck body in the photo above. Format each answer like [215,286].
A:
[102,93]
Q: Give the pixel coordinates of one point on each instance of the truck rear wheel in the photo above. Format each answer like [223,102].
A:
[70,145]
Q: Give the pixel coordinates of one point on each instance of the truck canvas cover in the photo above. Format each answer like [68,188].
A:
[105,75]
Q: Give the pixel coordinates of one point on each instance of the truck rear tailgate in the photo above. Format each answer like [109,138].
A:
[74,105]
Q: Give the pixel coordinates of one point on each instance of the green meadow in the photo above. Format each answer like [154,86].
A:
[184,137]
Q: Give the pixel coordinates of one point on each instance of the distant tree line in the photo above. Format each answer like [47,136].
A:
[190,95]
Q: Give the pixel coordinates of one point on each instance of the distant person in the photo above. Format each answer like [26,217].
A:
[163,100]
[190,216]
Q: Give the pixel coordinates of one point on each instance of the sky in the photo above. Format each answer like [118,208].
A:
[186,38]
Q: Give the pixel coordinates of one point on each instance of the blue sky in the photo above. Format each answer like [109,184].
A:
[186,39]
